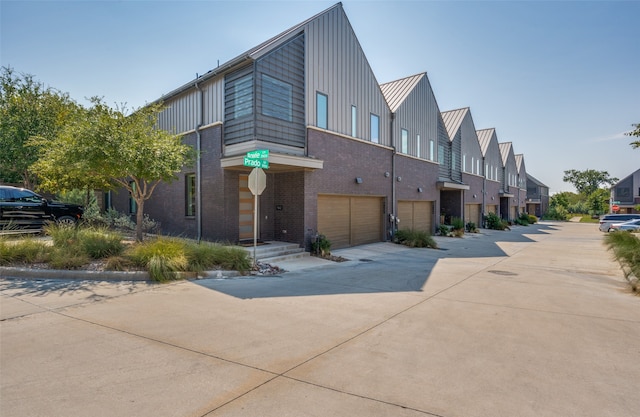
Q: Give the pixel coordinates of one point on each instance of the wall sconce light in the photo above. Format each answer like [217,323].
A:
[387,175]
[475,196]
[493,198]
[399,178]
[419,189]
[358,180]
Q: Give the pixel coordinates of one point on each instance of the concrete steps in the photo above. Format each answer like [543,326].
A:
[273,252]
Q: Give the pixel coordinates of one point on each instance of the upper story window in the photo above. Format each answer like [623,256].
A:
[133,206]
[405,141]
[431,153]
[241,97]
[418,146]
[464,162]
[441,154]
[277,98]
[478,166]
[322,110]
[375,128]
[354,121]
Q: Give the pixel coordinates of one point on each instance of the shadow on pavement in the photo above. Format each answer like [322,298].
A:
[404,270]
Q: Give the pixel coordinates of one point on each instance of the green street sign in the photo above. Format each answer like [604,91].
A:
[256,163]
[616,202]
[259,154]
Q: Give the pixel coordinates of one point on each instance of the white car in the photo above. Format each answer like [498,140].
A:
[631,225]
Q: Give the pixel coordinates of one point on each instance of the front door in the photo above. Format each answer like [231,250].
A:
[245,209]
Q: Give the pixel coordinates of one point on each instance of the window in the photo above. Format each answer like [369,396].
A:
[190,194]
[454,161]
[242,96]
[322,109]
[486,171]
[277,98]
[473,165]
[478,166]
[441,154]
[432,155]
[375,128]
[405,141]
[418,146]
[464,163]
[354,121]
[133,207]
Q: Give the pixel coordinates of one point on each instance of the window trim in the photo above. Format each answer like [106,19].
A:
[404,141]
[376,138]
[324,107]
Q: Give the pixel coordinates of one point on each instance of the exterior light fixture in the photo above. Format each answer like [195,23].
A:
[387,175]
[399,178]
[419,189]
[358,180]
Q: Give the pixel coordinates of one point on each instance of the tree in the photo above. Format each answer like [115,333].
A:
[636,133]
[105,148]
[588,181]
[27,108]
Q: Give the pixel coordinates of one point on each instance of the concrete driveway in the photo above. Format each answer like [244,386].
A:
[536,321]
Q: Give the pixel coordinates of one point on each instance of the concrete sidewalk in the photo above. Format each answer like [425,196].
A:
[536,321]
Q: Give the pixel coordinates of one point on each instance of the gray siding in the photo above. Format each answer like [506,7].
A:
[471,147]
[336,66]
[491,154]
[418,114]
[181,114]
[443,150]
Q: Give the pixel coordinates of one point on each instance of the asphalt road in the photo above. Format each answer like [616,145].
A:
[536,321]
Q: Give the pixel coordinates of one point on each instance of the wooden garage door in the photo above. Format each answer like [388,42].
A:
[350,220]
[415,215]
[472,214]
[492,208]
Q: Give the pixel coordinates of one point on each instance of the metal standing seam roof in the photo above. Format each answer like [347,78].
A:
[453,120]
[519,161]
[396,92]
[484,137]
[505,147]
[251,54]
[535,180]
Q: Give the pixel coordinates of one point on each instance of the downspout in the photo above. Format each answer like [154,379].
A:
[392,217]
[198,163]
[484,191]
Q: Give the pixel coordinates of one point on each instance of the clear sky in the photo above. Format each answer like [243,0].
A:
[561,80]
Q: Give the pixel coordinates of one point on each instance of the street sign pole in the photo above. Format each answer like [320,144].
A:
[259,160]
[255,222]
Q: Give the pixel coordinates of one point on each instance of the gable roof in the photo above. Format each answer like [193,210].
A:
[396,92]
[535,181]
[505,149]
[519,161]
[249,55]
[453,120]
[484,137]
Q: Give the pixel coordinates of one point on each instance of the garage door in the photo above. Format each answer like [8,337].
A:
[472,214]
[492,208]
[416,215]
[350,220]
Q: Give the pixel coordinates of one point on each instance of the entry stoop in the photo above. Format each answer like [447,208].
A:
[272,252]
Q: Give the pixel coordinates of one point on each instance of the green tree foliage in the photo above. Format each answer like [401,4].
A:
[588,181]
[105,148]
[27,109]
[598,201]
[636,133]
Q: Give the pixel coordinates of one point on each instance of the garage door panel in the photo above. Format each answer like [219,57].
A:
[333,219]
[366,219]
[472,213]
[415,215]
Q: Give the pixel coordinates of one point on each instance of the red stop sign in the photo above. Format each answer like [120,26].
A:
[615,207]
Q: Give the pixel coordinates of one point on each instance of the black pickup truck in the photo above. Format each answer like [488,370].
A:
[23,210]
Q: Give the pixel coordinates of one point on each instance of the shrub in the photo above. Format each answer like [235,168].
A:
[207,255]
[471,227]
[443,230]
[556,213]
[67,258]
[62,235]
[100,243]
[321,246]
[457,224]
[626,250]
[523,219]
[532,219]
[415,239]
[27,250]
[494,222]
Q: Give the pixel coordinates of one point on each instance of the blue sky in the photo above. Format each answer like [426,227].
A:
[561,80]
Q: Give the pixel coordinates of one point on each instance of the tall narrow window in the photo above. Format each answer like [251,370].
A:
[418,146]
[464,163]
[405,141]
[473,167]
[441,154]
[432,156]
[242,97]
[190,194]
[354,121]
[375,128]
[486,171]
[133,207]
[322,110]
[478,166]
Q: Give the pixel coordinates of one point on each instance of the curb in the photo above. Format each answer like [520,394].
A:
[18,273]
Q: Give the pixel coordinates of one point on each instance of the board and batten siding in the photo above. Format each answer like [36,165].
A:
[336,66]
[182,112]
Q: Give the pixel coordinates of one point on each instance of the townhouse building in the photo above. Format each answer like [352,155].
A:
[492,162]
[349,157]
[626,194]
[537,196]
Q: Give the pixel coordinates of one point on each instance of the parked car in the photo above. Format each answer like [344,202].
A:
[23,210]
[631,225]
[608,219]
